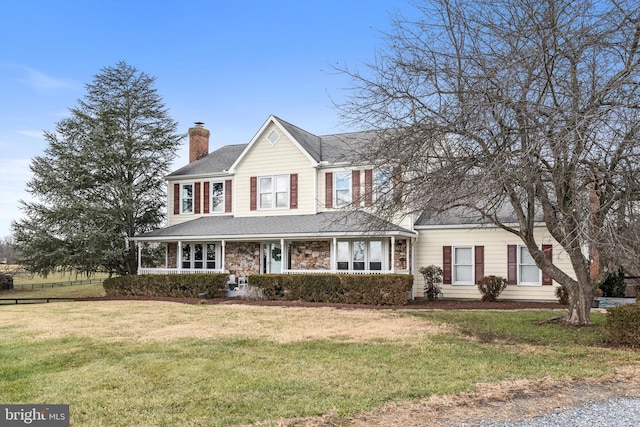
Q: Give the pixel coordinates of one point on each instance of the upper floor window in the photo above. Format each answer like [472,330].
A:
[273,192]
[342,189]
[382,184]
[217,197]
[186,198]
[462,264]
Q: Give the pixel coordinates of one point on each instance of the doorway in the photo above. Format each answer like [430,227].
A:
[271,259]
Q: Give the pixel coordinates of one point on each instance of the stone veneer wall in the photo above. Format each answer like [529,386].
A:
[310,255]
[401,254]
[242,258]
[172,258]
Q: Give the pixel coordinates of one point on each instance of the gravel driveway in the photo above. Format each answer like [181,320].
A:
[615,412]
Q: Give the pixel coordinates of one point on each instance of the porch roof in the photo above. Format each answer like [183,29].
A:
[323,224]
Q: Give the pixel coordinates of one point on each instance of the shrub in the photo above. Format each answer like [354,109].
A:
[491,287]
[614,285]
[171,285]
[375,289]
[432,276]
[622,325]
[562,294]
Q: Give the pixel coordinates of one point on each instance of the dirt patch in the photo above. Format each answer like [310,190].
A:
[163,321]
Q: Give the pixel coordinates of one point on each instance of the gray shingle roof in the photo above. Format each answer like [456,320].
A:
[215,162]
[324,223]
[328,148]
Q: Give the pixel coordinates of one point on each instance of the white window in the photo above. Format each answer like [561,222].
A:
[463,264]
[217,197]
[375,255]
[186,198]
[343,255]
[273,192]
[359,255]
[528,271]
[342,189]
[199,256]
[382,184]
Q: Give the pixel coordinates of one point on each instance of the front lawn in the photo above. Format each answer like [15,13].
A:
[131,363]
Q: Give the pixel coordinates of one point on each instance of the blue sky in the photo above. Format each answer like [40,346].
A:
[229,64]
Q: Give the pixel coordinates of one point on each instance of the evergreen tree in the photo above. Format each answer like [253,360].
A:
[100,180]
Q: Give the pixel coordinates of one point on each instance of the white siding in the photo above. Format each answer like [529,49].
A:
[281,158]
[429,251]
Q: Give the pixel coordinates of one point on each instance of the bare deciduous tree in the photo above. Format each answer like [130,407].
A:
[518,109]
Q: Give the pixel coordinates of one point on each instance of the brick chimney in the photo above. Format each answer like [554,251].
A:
[198,142]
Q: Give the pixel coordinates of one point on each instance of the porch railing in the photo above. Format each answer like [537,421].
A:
[344,272]
[144,270]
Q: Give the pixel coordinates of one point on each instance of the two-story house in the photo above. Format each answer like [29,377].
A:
[292,202]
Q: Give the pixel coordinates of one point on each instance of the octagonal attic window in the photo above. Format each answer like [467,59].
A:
[273,137]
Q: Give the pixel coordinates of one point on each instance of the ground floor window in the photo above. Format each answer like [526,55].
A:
[462,264]
[199,256]
[359,255]
[529,273]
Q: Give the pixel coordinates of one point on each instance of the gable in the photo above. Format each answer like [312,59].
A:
[273,140]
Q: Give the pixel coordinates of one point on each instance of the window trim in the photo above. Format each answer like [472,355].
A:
[222,198]
[337,203]
[274,193]
[217,255]
[472,266]
[367,254]
[377,194]
[193,196]
[519,261]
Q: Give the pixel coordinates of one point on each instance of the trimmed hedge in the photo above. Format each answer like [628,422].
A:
[623,325]
[170,285]
[374,289]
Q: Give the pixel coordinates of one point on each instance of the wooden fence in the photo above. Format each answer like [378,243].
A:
[55,284]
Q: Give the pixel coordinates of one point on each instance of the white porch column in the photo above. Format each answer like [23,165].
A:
[333,253]
[223,255]
[283,257]
[179,257]
[393,254]
[139,244]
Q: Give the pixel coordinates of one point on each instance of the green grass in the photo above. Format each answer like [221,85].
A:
[66,291]
[210,382]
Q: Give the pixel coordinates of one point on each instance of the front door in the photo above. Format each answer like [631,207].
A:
[271,258]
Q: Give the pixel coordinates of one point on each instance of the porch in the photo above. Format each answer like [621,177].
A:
[337,255]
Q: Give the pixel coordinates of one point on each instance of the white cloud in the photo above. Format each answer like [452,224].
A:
[40,80]
[31,133]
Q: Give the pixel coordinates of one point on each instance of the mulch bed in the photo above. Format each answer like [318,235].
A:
[418,304]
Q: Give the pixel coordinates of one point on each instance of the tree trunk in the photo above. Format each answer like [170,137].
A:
[579,310]
[581,295]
